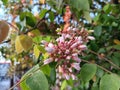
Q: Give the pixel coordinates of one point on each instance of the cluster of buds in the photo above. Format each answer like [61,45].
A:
[67,48]
[66,51]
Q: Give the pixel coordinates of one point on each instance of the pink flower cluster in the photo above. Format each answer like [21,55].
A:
[66,50]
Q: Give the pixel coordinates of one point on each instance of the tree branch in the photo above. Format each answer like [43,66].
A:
[105,59]
[98,66]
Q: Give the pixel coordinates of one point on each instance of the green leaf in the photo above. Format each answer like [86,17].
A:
[53,75]
[37,39]
[87,72]
[97,31]
[116,58]
[117,47]
[42,49]
[87,16]
[18,46]
[64,85]
[23,43]
[42,13]
[107,8]
[26,42]
[30,19]
[94,46]
[51,16]
[80,4]
[47,38]
[99,72]
[110,82]
[35,80]
[5,2]
[22,16]
[46,69]
[95,86]
[96,18]
[36,51]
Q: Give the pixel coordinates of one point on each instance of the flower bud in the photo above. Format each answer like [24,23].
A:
[47,61]
[76,66]
[91,38]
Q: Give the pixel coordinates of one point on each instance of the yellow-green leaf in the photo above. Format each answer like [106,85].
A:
[116,41]
[23,43]
[42,1]
[87,16]
[26,42]
[18,46]
[36,51]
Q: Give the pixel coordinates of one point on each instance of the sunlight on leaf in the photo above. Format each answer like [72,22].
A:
[116,41]
[42,1]
[23,43]
[18,46]
[36,51]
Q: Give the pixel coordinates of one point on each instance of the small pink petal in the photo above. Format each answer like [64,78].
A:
[66,76]
[83,47]
[76,58]
[73,77]
[91,38]
[51,45]
[60,69]
[74,45]
[76,66]
[68,36]
[68,57]
[67,51]
[49,49]
[47,61]
[70,69]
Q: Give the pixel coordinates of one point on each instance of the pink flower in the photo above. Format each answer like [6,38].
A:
[79,38]
[76,58]
[70,69]
[74,29]
[51,45]
[76,66]
[91,38]
[83,47]
[73,76]
[66,76]
[60,39]
[68,57]
[47,61]
[67,51]
[60,69]
[68,36]
[74,45]
[49,50]
[75,54]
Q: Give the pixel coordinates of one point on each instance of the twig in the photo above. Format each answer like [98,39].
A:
[13,26]
[7,41]
[105,59]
